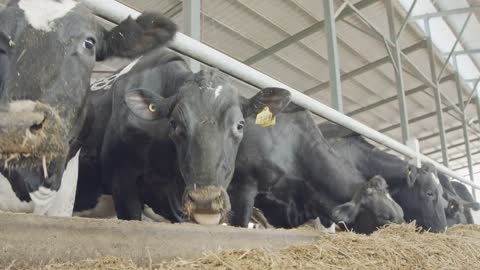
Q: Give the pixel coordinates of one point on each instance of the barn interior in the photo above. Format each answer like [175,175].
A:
[423,94]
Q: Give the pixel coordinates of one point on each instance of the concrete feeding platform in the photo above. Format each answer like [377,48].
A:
[37,240]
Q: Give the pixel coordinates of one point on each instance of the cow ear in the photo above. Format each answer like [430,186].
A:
[132,38]
[475,206]
[412,174]
[276,99]
[346,212]
[147,105]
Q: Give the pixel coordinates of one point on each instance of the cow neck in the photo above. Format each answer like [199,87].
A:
[328,171]
[378,162]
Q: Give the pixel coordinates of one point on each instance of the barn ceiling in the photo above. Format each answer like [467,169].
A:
[253,32]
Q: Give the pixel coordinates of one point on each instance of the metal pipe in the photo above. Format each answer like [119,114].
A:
[333,61]
[474,92]
[397,62]
[192,25]
[455,44]
[405,22]
[190,47]
[464,124]
[436,91]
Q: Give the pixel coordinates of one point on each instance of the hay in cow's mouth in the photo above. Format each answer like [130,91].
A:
[31,147]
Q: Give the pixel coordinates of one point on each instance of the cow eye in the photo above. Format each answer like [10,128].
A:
[89,43]
[430,193]
[151,107]
[240,125]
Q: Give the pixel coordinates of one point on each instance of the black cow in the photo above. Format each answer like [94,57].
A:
[294,157]
[172,139]
[454,210]
[47,52]
[416,190]
[467,201]
[370,207]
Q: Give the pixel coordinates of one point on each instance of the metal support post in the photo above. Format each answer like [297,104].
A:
[415,145]
[464,125]
[436,91]
[192,25]
[398,74]
[333,61]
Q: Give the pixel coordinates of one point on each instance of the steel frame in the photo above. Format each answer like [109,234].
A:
[438,99]
[333,61]
[192,25]
[464,120]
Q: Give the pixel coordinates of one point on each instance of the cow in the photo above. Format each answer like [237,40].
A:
[454,210]
[467,201]
[416,190]
[171,141]
[293,156]
[371,207]
[47,53]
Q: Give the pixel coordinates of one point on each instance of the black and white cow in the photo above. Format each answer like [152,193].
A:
[171,141]
[416,190]
[48,49]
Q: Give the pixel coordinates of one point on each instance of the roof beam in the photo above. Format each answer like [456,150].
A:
[445,13]
[466,52]
[466,166]
[302,34]
[427,137]
[365,68]
[464,156]
[416,119]
[412,91]
[451,146]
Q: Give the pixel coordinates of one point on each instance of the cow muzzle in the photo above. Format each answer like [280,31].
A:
[31,131]
[206,205]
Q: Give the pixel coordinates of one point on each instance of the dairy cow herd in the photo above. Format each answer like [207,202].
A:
[161,141]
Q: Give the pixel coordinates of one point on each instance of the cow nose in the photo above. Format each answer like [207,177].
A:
[21,115]
[203,199]
[29,122]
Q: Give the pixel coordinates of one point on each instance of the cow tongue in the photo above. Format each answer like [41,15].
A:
[207,219]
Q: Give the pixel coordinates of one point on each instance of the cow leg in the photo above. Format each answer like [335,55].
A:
[242,204]
[126,196]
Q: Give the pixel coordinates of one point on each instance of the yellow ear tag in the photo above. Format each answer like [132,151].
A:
[151,107]
[265,118]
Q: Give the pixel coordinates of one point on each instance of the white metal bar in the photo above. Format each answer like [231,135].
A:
[333,61]
[445,13]
[340,10]
[405,22]
[192,25]
[188,46]
[460,34]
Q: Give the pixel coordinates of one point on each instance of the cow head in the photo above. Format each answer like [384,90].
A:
[371,207]
[422,198]
[47,53]
[206,125]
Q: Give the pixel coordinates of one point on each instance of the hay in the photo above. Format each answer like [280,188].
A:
[393,247]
